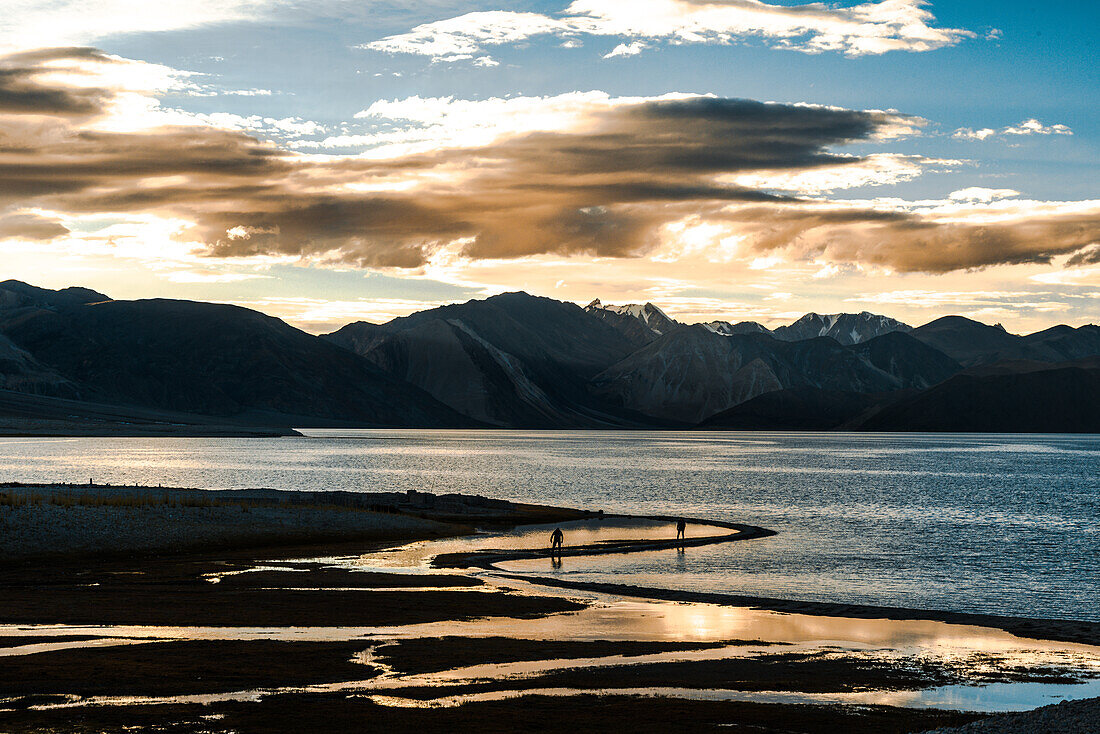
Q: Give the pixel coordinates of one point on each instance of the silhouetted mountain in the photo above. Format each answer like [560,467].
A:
[641,323]
[973,343]
[1058,398]
[16,294]
[212,359]
[517,360]
[969,342]
[912,362]
[1064,343]
[20,371]
[693,373]
[797,409]
[846,328]
[510,360]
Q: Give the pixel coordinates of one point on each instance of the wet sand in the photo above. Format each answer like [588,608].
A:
[180,668]
[179,592]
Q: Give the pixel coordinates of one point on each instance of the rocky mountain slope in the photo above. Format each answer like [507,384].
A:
[846,328]
[641,323]
[694,373]
[510,360]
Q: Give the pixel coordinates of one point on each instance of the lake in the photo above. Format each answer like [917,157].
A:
[1004,524]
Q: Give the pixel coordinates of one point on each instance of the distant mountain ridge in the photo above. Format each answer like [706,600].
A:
[694,373]
[522,361]
[644,322]
[846,328]
[974,343]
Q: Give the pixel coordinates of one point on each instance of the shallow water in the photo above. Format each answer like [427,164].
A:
[972,652]
[418,556]
[994,523]
[965,648]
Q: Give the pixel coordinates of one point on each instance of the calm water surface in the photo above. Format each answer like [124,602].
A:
[1000,524]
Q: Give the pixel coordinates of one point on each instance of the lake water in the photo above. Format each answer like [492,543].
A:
[992,523]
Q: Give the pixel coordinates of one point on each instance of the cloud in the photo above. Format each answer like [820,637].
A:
[31,227]
[320,315]
[582,174]
[866,29]
[34,23]
[980,193]
[876,169]
[1027,127]
[936,298]
[626,49]
[929,237]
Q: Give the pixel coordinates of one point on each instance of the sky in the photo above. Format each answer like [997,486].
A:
[327,161]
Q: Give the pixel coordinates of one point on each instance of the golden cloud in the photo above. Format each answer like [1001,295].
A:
[607,187]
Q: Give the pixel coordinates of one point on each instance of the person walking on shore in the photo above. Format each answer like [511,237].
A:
[681,527]
[556,539]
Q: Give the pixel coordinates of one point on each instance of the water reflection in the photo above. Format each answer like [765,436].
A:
[418,556]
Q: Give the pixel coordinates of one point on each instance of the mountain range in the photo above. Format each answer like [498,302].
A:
[522,361]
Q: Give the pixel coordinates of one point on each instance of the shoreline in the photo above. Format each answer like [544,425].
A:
[60,522]
[444,516]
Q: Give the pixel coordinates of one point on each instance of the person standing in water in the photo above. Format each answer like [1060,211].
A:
[556,539]
[681,526]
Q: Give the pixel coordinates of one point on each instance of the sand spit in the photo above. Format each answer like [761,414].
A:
[50,520]
[488,559]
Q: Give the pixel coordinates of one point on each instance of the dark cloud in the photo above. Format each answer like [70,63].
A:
[31,227]
[606,191]
[23,92]
[1088,256]
[909,242]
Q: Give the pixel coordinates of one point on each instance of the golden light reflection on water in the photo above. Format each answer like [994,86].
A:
[418,555]
[611,618]
[965,648]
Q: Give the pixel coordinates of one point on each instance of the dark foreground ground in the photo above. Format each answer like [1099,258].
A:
[324,684]
[284,714]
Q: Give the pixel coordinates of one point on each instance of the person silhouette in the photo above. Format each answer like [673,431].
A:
[556,539]
[681,526]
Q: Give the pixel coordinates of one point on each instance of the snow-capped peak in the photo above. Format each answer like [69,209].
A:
[647,313]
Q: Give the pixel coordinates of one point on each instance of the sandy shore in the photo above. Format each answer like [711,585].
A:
[55,520]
